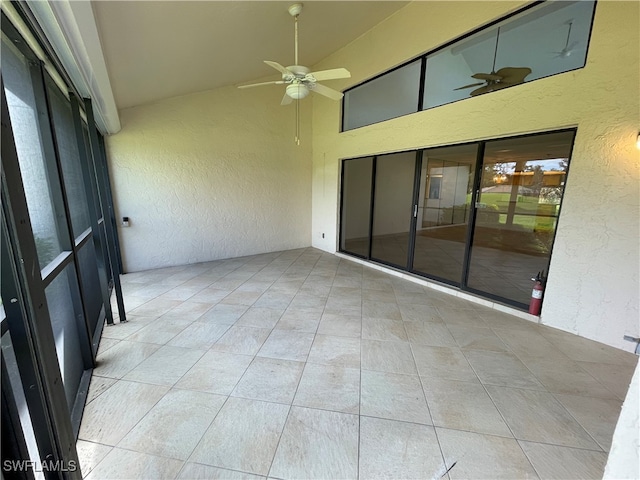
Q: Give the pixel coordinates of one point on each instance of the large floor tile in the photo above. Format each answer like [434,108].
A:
[287,345]
[198,471]
[160,331]
[122,464]
[243,437]
[387,310]
[562,463]
[478,456]
[242,340]
[477,338]
[463,406]
[90,454]
[155,307]
[443,362]
[463,317]
[122,330]
[337,351]
[270,379]
[616,378]
[418,313]
[215,372]
[165,366]
[317,444]
[299,321]
[189,310]
[393,396]
[98,385]
[393,357]
[340,325]
[562,375]
[175,425]
[391,449]
[502,368]
[122,358]
[223,314]
[110,416]
[383,329]
[598,416]
[199,335]
[260,317]
[539,417]
[329,388]
[435,334]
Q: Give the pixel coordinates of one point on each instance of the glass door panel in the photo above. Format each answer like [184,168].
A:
[355,214]
[393,207]
[517,208]
[444,206]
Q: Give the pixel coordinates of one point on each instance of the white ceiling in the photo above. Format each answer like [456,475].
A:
[160,49]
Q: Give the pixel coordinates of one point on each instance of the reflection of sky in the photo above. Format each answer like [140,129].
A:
[547,164]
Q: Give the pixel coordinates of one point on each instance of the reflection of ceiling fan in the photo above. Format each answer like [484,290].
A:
[298,79]
[568,49]
[503,78]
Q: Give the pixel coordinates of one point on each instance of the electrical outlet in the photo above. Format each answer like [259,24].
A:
[323,235]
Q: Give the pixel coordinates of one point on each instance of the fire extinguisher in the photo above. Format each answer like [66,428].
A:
[536,294]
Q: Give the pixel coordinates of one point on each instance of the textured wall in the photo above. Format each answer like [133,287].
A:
[624,455]
[211,175]
[593,279]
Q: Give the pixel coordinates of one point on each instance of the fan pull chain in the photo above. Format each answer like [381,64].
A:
[297,139]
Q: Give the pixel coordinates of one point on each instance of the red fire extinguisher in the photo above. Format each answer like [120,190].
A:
[536,294]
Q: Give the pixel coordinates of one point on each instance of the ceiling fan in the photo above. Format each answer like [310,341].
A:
[299,80]
[497,80]
[568,49]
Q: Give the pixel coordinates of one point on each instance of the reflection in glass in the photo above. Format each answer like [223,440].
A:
[521,189]
[446,182]
[90,283]
[548,39]
[65,331]
[356,206]
[389,96]
[24,121]
[70,159]
[393,207]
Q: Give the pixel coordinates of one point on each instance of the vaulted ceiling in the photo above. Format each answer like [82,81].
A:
[160,49]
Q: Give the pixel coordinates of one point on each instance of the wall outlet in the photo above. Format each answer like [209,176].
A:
[323,235]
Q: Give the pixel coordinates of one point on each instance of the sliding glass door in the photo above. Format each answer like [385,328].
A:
[393,208]
[521,185]
[444,208]
[480,216]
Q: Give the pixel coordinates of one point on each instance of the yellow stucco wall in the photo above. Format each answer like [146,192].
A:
[593,279]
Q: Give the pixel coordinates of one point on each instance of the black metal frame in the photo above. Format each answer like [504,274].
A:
[446,45]
[28,317]
[463,284]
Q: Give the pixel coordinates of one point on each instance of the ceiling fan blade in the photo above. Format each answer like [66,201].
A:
[469,86]
[513,74]
[286,100]
[276,82]
[491,88]
[332,74]
[486,76]
[326,91]
[278,67]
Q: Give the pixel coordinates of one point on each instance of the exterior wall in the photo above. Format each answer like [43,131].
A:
[593,280]
[211,175]
[624,455]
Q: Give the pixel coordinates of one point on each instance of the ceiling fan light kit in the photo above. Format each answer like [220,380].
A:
[299,80]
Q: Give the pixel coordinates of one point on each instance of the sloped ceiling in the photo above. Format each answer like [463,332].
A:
[160,49]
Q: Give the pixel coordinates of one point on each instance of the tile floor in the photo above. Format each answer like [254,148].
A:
[299,364]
